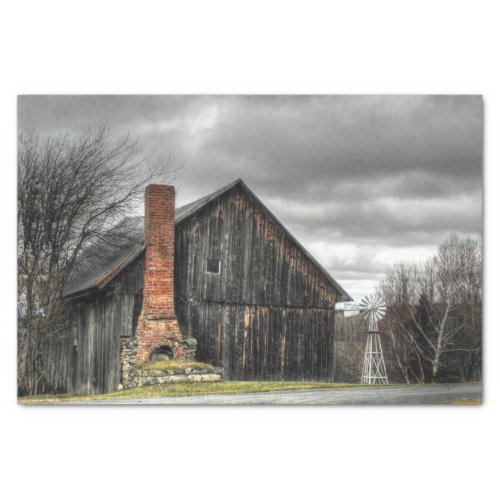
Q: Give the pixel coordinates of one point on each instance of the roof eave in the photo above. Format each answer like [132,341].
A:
[101,283]
[343,295]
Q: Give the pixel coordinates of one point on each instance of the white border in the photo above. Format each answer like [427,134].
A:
[261,47]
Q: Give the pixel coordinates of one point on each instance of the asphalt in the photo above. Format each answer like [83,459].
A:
[378,395]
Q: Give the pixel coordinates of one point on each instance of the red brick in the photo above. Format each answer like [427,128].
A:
[158,324]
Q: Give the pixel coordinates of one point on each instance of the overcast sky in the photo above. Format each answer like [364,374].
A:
[362,182]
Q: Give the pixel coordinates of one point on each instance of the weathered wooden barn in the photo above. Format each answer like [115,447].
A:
[233,278]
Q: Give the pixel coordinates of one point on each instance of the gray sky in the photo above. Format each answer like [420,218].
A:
[362,181]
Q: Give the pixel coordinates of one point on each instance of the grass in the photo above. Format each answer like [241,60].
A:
[186,389]
[173,365]
[204,388]
[465,401]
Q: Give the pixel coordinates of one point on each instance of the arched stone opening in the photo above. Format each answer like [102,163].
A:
[162,353]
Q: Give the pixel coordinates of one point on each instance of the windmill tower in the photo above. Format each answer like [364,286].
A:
[373,309]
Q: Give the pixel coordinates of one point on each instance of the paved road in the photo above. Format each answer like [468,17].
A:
[396,395]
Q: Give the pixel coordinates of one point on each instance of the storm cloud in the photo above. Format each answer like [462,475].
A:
[362,181]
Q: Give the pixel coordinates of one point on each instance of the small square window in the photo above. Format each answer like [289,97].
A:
[213,266]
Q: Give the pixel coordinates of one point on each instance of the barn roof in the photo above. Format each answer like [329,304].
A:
[120,246]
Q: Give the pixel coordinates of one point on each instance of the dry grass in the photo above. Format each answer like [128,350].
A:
[173,365]
[465,401]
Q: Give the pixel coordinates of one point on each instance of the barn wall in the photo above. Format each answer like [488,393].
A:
[260,264]
[85,359]
[269,313]
[263,342]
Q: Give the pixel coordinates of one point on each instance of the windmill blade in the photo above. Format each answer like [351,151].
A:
[366,314]
[381,310]
[373,308]
[365,302]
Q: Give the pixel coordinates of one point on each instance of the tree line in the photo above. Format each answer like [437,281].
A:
[432,331]
[434,314]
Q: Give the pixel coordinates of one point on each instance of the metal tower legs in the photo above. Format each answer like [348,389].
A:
[373,364]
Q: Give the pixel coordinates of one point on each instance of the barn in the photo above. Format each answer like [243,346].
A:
[220,279]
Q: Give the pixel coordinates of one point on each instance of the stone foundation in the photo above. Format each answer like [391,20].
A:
[133,375]
[128,357]
[142,377]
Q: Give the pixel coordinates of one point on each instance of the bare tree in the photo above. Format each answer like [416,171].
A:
[435,309]
[71,191]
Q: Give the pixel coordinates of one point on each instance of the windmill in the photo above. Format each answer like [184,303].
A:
[372,309]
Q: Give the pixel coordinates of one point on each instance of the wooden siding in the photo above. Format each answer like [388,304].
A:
[259,263]
[86,359]
[263,342]
[269,313]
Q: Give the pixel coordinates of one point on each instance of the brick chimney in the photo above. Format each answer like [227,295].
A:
[158,330]
[159,234]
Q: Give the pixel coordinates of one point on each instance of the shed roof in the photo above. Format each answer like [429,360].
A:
[101,262]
